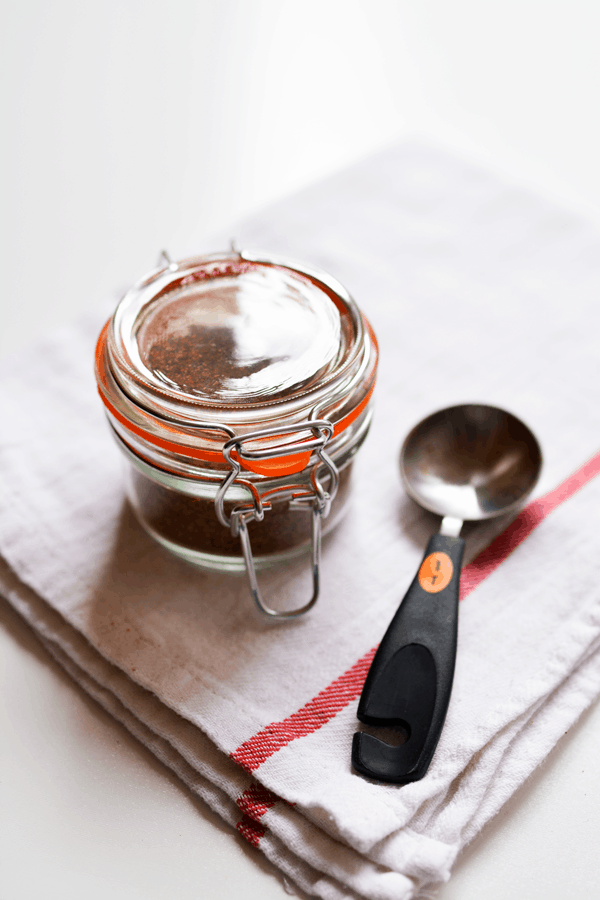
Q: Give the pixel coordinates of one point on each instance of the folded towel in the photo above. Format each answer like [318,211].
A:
[478,291]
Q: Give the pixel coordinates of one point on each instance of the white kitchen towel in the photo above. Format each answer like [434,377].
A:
[478,291]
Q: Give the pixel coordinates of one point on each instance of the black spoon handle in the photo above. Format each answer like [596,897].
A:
[410,679]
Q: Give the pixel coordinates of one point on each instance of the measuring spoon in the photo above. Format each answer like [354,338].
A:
[465,462]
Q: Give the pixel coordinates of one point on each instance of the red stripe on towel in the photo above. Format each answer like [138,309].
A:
[256,800]
[250,830]
[527,520]
[254,803]
[317,712]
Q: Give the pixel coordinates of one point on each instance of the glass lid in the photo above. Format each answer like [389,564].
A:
[238,339]
[257,334]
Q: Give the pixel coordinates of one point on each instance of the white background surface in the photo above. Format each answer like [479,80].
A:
[129,126]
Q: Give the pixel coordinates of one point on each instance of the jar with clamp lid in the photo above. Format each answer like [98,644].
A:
[239,388]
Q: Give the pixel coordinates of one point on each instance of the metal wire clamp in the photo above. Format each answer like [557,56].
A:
[300,497]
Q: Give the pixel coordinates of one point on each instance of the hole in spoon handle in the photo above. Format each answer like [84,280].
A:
[410,679]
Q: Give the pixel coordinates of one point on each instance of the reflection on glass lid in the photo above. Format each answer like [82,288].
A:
[258,334]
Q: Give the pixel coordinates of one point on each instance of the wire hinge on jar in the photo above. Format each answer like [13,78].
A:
[300,496]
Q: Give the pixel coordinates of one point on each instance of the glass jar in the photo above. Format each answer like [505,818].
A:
[238,387]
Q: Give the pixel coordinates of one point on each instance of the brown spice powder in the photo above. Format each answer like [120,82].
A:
[191,522]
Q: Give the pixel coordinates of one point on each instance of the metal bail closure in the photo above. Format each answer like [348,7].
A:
[251,570]
[300,497]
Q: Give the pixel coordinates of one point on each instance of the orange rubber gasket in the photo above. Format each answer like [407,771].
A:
[282,465]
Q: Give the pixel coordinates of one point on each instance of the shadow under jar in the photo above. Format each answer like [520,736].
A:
[238,387]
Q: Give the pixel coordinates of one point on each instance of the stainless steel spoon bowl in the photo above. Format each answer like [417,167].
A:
[470,462]
[466,462]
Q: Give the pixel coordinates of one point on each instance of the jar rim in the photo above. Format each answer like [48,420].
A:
[163,284]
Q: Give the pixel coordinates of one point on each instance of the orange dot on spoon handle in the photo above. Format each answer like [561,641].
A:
[436,572]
